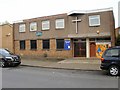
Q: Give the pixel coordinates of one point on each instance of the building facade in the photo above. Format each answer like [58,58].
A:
[117,31]
[73,34]
[6,36]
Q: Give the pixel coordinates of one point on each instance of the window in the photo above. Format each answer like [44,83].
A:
[33,26]
[94,20]
[45,25]
[22,28]
[59,23]
[46,44]
[22,45]
[112,53]
[33,44]
[60,43]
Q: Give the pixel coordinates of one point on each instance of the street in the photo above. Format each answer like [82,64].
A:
[32,77]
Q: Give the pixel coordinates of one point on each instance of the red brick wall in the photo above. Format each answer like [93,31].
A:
[52,52]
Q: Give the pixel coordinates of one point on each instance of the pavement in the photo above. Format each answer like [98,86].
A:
[69,64]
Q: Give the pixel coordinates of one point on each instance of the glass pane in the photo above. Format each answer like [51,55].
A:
[45,44]
[22,45]
[113,52]
[60,43]
[45,25]
[33,26]
[60,23]
[22,28]
[33,44]
[94,20]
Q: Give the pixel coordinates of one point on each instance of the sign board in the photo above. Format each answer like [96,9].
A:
[67,44]
[38,33]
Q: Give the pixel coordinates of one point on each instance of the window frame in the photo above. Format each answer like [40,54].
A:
[23,26]
[46,22]
[32,26]
[60,21]
[45,42]
[58,46]
[22,47]
[94,17]
[33,47]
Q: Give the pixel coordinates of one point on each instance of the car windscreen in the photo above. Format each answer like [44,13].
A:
[5,52]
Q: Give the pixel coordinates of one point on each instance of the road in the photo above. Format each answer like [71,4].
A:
[32,77]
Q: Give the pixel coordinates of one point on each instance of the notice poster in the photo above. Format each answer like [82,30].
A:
[67,44]
[101,47]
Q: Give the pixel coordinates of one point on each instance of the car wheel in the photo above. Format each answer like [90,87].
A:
[2,64]
[114,70]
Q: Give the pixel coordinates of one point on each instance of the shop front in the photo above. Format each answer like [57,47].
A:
[90,47]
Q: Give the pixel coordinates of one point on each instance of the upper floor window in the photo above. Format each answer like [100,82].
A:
[60,23]
[94,20]
[45,25]
[33,26]
[22,28]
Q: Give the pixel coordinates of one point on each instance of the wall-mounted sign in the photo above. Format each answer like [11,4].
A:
[67,44]
[38,33]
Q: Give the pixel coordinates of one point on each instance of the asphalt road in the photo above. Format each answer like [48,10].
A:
[32,77]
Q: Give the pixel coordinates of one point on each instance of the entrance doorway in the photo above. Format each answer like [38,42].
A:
[79,49]
[92,49]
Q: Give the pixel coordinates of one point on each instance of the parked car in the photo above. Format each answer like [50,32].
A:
[9,59]
[110,60]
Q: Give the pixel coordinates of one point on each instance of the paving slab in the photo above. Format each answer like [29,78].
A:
[64,64]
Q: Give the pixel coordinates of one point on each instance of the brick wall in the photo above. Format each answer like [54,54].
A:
[52,52]
[6,37]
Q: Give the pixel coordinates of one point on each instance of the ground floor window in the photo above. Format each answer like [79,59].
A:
[22,45]
[33,44]
[46,44]
[60,43]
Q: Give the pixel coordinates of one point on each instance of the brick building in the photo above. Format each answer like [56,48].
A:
[6,36]
[117,31]
[73,34]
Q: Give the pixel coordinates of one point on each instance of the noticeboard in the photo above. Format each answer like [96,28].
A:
[67,45]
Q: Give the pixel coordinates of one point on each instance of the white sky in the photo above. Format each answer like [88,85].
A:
[13,10]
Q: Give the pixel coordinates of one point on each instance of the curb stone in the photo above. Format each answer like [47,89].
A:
[58,68]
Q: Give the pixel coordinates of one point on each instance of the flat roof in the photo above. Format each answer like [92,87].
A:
[79,12]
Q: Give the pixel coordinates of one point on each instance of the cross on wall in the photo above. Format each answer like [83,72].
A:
[76,22]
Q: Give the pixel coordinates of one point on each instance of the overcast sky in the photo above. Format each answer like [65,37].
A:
[13,10]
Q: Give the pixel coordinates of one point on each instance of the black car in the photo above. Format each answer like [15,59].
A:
[9,59]
[111,60]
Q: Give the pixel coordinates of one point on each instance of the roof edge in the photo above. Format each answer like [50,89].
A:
[89,11]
